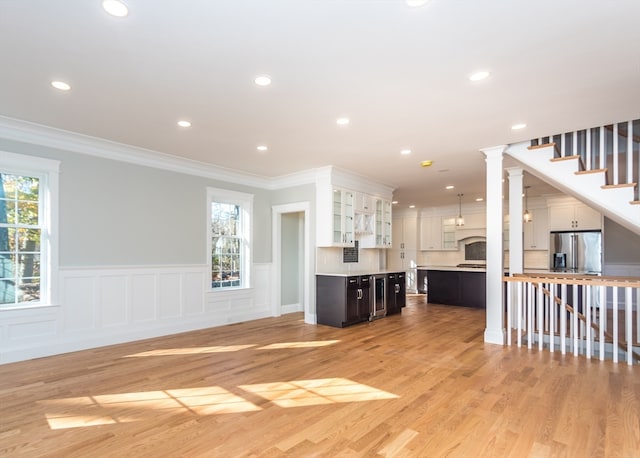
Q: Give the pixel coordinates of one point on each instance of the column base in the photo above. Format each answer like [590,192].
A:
[494,336]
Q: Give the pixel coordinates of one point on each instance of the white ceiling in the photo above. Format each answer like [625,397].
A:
[399,73]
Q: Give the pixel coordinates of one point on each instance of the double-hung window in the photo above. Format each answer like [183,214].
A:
[28,227]
[229,242]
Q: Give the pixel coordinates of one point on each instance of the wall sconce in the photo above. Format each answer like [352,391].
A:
[460,219]
[528,217]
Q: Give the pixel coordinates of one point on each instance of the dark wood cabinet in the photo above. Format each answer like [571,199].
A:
[395,292]
[341,301]
[453,287]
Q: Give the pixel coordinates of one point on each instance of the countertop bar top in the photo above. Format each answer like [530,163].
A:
[358,273]
[478,269]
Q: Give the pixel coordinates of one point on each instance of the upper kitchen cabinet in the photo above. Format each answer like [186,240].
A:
[574,217]
[336,208]
[381,234]
[364,214]
[431,233]
[405,232]
[364,203]
[350,208]
[536,231]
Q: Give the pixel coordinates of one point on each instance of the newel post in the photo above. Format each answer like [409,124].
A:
[494,331]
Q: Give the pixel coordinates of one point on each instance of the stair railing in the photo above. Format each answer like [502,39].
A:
[614,148]
[588,315]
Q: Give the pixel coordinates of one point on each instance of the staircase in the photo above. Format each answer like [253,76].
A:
[598,166]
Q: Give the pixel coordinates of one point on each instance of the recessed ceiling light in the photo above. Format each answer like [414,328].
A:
[115,8]
[342,121]
[412,206]
[405,152]
[449,187]
[416,3]
[394,202]
[479,76]
[262,148]
[518,126]
[184,123]
[479,199]
[262,80]
[61,85]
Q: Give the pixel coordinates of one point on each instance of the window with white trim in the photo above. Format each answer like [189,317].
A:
[28,230]
[229,238]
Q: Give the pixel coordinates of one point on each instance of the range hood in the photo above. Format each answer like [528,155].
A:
[464,233]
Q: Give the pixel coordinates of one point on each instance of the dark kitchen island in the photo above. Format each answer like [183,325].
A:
[462,286]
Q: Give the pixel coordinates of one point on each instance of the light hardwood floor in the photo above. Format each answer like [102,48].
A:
[419,384]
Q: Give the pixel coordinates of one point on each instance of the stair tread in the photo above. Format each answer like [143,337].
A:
[620,185]
[586,172]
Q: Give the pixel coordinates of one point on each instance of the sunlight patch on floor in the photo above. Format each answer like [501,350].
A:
[190,351]
[317,391]
[308,344]
[126,407]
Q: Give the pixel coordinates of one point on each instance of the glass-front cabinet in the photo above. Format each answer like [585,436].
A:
[343,230]
[381,236]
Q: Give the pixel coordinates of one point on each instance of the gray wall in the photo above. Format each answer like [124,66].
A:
[115,213]
[620,245]
[291,247]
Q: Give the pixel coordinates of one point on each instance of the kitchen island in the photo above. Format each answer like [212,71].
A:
[449,285]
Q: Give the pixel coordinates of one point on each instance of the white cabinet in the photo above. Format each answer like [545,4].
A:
[431,233]
[574,217]
[449,234]
[536,232]
[364,203]
[404,253]
[335,217]
[380,236]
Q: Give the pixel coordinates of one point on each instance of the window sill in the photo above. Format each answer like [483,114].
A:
[26,307]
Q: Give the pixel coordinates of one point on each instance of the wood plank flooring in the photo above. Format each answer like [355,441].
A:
[419,384]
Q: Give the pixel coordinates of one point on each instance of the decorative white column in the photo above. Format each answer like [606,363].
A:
[494,332]
[516,256]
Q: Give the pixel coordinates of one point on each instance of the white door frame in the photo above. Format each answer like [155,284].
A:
[278,211]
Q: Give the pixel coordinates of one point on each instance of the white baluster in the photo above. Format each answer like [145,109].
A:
[575,144]
[615,154]
[630,152]
[615,323]
[520,312]
[552,313]
[602,307]
[588,148]
[628,317]
[602,154]
[575,320]
[529,314]
[540,317]
[563,318]
[510,287]
[587,311]
[562,145]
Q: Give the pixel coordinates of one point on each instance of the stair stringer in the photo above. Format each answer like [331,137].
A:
[614,203]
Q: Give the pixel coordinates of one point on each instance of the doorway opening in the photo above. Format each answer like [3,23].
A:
[292,261]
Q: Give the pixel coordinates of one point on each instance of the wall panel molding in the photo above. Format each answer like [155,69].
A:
[109,305]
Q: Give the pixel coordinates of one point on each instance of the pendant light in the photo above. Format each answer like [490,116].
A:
[528,217]
[460,219]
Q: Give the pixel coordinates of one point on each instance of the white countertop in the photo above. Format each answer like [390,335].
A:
[358,273]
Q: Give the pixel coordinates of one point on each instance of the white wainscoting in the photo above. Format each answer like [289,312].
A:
[105,306]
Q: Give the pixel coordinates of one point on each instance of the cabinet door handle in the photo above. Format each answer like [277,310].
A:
[397,288]
[359,294]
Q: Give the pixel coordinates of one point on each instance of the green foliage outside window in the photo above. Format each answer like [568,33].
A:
[226,245]
[20,239]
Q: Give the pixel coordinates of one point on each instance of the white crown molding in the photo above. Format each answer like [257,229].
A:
[38,134]
[28,132]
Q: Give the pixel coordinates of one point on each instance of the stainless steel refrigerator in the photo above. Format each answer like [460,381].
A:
[576,251]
